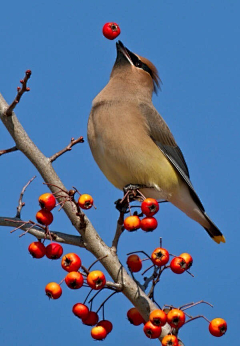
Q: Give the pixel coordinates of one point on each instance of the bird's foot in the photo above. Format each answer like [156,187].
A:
[131,193]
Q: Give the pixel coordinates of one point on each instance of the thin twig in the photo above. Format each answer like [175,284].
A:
[68,148]
[6,151]
[194,318]
[20,92]
[20,202]
[102,305]
[119,231]
[91,300]
[190,305]
[99,259]
[139,251]
[87,296]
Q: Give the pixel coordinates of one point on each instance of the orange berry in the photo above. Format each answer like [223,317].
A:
[218,327]
[53,290]
[98,333]
[187,258]
[170,340]
[85,201]
[47,201]
[132,223]
[44,217]
[176,318]
[96,279]
[158,317]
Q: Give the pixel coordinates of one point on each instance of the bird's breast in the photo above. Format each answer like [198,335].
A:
[120,143]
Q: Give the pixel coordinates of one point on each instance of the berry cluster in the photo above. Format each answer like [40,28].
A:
[78,276]
[176,318]
[71,263]
[149,208]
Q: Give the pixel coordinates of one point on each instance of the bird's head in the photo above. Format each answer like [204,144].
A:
[135,68]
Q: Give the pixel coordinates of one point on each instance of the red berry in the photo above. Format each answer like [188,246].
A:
[54,251]
[71,262]
[37,249]
[111,30]
[160,256]
[74,280]
[152,331]
[134,263]
[150,206]
[149,224]
[80,310]
[106,324]
[178,265]
[91,319]
[135,317]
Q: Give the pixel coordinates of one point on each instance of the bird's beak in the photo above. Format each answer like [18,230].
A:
[124,54]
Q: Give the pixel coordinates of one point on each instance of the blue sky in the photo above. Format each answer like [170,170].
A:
[195,46]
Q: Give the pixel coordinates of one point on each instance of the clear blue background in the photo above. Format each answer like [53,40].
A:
[195,46]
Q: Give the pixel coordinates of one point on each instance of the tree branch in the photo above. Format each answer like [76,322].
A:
[118,233]
[21,204]
[40,234]
[20,92]
[6,151]
[90,237]
[68,148]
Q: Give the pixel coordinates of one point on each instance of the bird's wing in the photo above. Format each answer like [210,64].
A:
[162,136]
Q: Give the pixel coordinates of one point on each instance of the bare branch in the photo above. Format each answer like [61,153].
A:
[68,148]
[118,232]
[20,202]
[6,151]
[190,305]
[40,233]
[20,92]
[89,237]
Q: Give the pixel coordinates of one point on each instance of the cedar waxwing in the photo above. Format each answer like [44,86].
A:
[132,144]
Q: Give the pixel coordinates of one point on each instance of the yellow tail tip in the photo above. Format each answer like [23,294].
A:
[219,238]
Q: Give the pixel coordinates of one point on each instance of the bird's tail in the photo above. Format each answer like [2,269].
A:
[214,232]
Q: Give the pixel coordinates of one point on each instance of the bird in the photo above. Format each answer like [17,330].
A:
[132,144]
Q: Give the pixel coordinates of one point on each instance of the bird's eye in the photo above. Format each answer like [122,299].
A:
[138,64]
